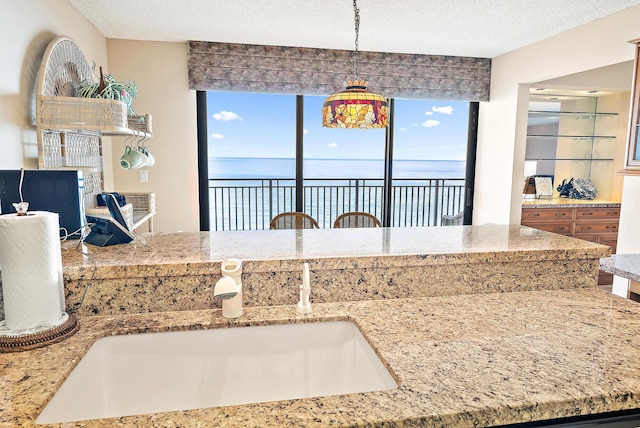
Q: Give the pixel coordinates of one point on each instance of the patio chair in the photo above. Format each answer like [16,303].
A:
[293,220]
[357,219]
[453,220]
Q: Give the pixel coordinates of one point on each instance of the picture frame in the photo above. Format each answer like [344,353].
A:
[544,187]
[529,186]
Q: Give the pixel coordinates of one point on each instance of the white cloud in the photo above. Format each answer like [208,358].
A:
[429,113]
[413,125]
[444,110]
[217,136]
[226,116]
[305,131]
[402,129]
[430,123]
[332,145]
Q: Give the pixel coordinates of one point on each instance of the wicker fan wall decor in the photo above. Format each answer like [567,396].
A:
[63,68]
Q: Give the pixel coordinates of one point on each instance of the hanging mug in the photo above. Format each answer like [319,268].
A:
[131,158]
[152,160]
[143,155]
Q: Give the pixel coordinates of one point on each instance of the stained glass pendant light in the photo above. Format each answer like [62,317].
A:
[355,107]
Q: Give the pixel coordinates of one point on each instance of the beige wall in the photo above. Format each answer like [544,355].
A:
[502,128]
[160,71]
[616,103]
[26,27]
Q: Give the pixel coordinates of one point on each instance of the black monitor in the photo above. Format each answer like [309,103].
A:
[58,191]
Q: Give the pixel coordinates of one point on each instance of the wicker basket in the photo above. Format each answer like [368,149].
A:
[141,201]
[140,123]
[83,114]
[126,210]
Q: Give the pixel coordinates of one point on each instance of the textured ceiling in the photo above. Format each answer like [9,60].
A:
[481,28]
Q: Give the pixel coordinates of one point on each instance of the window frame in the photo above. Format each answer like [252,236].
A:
[203,165]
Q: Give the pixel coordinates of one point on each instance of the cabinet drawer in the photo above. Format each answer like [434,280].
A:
[546,214]
[560,228]
[605,278]
[599,213]
[588,227]
[591,238]
[610,240]
[634,291]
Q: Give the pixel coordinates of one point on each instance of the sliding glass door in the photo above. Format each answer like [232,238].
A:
[266,154]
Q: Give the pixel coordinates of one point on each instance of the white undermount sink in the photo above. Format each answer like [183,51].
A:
[161,372]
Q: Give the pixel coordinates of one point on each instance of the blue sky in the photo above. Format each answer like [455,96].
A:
[263,126]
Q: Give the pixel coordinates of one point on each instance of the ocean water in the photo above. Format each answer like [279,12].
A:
[254,190]
[241,168]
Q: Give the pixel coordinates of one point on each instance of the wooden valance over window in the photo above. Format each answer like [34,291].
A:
[309,71]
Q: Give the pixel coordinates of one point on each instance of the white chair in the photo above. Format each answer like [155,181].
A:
[453,220]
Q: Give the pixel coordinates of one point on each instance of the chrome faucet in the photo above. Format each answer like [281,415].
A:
[304,305]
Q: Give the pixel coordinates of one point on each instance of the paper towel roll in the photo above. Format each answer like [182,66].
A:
[31,268]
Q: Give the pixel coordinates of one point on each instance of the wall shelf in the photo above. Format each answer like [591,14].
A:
[568,137]
[573,137]
[70,128]
[570,159]
[106,117]
[576,114]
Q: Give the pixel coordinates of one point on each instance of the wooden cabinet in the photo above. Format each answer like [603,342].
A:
[556,220]
[547,214]
[597,225]
[594,224]
[634,291]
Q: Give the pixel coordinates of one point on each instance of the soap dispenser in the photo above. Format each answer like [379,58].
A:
[229,288]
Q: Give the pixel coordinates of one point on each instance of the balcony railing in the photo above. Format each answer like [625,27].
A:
[251,203]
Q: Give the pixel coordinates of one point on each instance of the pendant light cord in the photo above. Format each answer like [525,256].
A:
[357,22]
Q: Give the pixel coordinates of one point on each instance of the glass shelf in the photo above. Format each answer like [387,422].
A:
[573,137]
[576,114]
[567,137]
[568,159]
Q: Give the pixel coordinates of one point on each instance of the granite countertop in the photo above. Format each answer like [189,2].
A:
[569,203]
[624,265]
[198,252]
[460,360]
[482,360]
[176,271]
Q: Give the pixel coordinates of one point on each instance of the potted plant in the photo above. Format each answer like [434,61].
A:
[108,88]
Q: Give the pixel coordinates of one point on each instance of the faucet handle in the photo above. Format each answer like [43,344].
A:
[304,305]
[306,283]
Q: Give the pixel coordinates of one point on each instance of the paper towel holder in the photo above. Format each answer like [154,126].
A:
[50,324]
[25,342]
